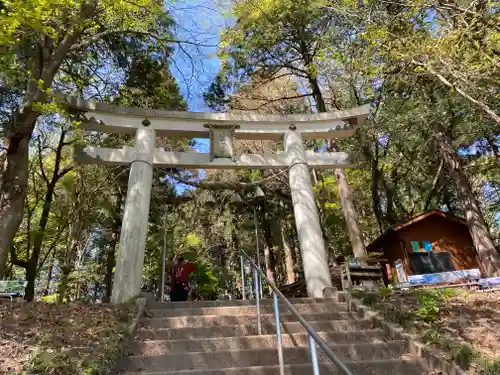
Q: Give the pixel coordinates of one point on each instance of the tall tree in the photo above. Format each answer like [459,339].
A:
[286,38]
[451,53]
[51,178]
[56,44]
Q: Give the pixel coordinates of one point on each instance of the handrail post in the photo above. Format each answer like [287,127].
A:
[313,338]
[163,260]
[243,294]
[257,294]
[314,355]
[279,343]
[257,246]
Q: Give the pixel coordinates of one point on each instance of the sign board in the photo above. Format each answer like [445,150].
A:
[221,141]
[400,271]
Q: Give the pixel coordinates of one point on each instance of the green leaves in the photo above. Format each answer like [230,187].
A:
[192,240]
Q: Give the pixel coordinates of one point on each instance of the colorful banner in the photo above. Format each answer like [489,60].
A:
[427,246]
[444,277]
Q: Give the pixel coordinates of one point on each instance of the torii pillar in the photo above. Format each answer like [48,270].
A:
[312,244]
[221,128]
[134,230]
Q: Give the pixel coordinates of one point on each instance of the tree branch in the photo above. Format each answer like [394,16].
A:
[434,185]
[64,171]
[270,101]
[40,160]
[238,187]
[15,260]
[51,247]
[492,114]
[96,37]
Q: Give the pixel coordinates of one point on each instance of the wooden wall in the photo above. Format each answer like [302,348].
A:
[446,235]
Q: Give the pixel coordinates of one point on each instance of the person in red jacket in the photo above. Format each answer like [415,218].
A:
[179,280]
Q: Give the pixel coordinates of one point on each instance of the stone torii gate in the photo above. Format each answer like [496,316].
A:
[221,128]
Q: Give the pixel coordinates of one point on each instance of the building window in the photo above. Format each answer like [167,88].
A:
[429,262]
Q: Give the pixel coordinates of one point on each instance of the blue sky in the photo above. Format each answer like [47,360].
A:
[195,66]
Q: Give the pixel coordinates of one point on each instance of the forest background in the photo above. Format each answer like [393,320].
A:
[429,68]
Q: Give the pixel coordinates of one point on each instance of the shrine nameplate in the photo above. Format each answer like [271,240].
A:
[221,141]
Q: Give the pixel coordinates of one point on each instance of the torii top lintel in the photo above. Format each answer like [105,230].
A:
[113,119]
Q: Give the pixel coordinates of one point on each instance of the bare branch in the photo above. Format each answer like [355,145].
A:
[96,37]
[40,160]
[492,114]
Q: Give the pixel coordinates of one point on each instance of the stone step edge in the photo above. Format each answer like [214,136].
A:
[332,347]
[239,307]
[357,320]
[409,361]
[208,339]
[268,315]
[239,302]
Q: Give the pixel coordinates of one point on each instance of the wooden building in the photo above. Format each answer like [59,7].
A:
[434,243]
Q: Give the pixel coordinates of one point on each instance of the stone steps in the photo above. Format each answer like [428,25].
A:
[157,347]
[229,320]
[220,338]
[376,367]
[234,303]
[259,357]
[302,308]
[249,330]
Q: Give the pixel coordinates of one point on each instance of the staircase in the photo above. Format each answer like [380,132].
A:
[220,338]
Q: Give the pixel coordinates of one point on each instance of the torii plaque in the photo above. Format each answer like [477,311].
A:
[222,127]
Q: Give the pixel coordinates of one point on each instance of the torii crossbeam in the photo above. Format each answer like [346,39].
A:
[221,128]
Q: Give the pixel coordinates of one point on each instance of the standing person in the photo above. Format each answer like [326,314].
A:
[179,280]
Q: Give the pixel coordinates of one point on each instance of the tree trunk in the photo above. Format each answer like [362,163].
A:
[13,190]
[110,264]
[18,131]
[355,234]
[374,156]
[110,257]
[96,286]
[8,274]
[49,278]
[348,209]
[150,286]
[44,218]
[435,186]
[29,293]
[67,263]
[269,256]
[481,237]
[290,272]
[63,285]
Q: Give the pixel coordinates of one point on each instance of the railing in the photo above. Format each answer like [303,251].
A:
[313,338]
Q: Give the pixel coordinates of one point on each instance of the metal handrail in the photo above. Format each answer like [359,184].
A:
[314,338]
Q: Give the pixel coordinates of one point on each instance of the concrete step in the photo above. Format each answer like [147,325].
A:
[157,347]
[221,321]
[249,330]
[264,301]
[385,367]
[302,308]
[258,357]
